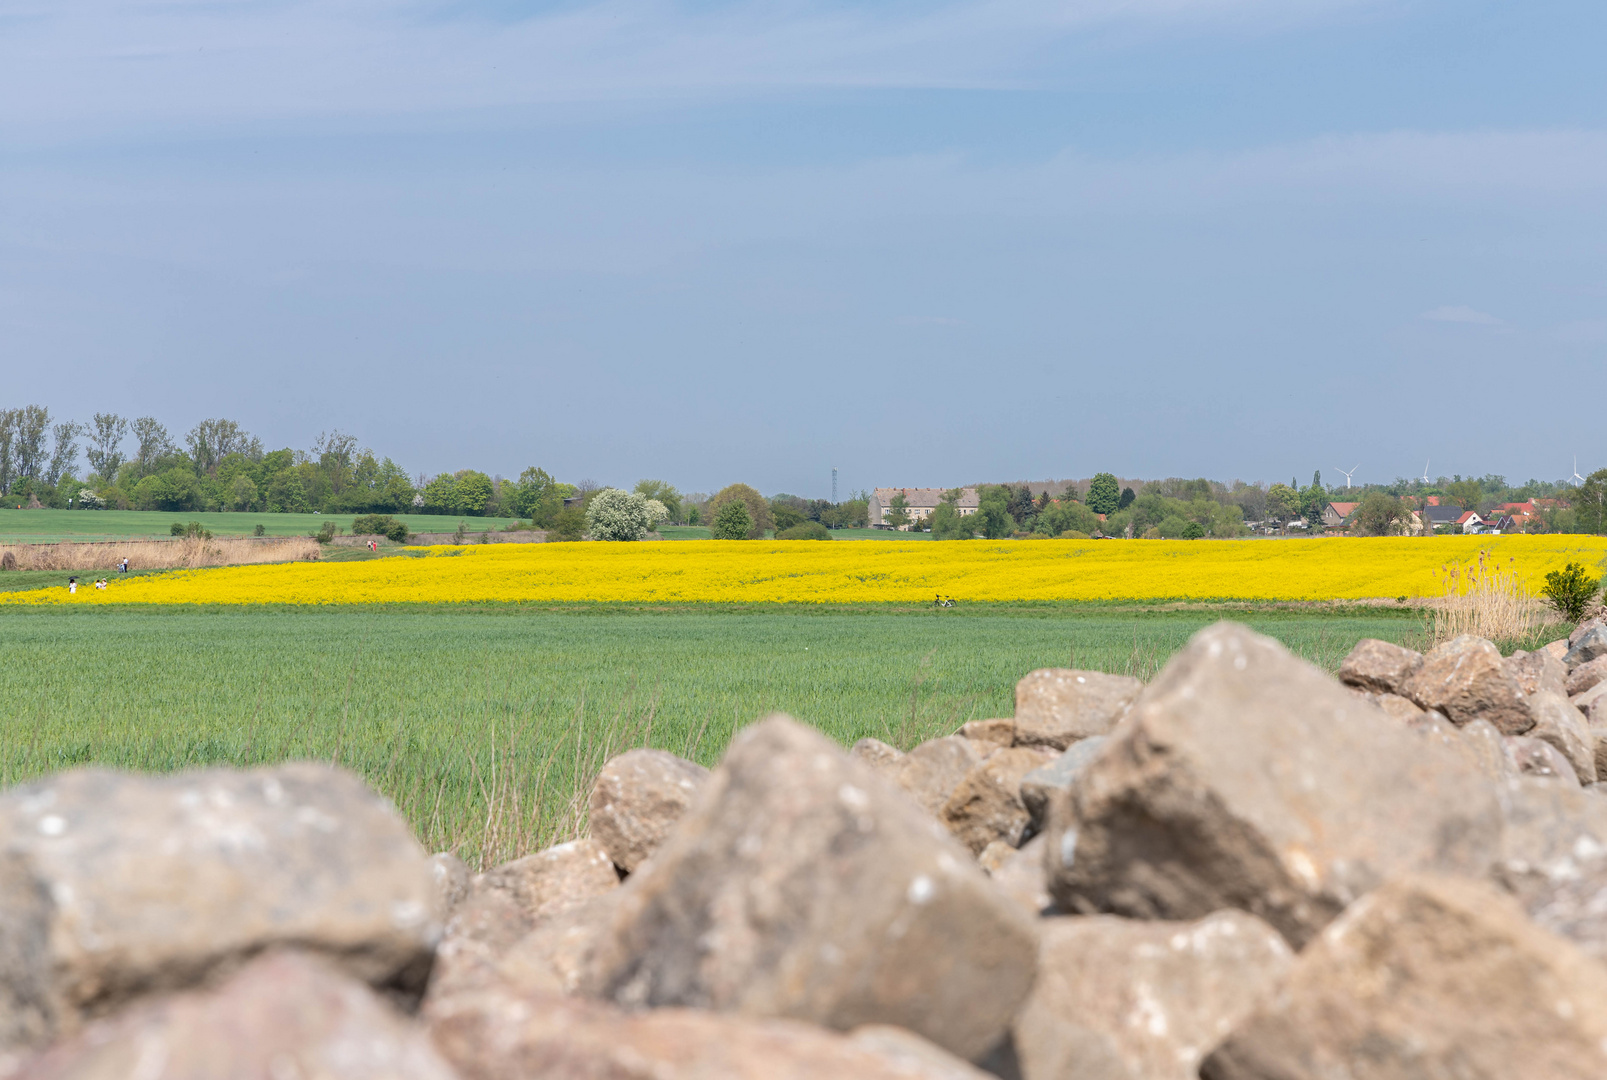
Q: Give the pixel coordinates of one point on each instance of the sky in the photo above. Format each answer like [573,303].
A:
[923,243]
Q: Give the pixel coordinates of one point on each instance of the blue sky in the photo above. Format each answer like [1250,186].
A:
[924,243]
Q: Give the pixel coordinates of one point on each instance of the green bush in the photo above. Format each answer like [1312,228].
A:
[809,530]
[260,530]
[1073,534]
[732,522]
[380,525]
[1570,590]
[1194,531]
[568,525]
[325,533]
[194,528]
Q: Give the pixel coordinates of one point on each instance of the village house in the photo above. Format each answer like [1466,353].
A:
[1334,515]
[920,502]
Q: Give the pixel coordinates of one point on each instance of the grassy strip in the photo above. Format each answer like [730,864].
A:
[486,724]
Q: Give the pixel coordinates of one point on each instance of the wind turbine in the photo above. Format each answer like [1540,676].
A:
[1576,475]
[1425,470]
[1352,472]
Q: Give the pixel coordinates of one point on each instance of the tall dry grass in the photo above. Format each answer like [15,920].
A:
[188,552]
[1483,598]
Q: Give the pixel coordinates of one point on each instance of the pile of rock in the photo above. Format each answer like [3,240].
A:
[1245,869]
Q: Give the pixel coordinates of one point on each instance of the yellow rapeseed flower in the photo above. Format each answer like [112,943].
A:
[847,572]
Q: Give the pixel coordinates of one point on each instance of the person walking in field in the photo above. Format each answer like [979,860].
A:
[122,567]
[72,585]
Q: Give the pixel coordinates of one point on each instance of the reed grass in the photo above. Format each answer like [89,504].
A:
[1486,598]
[187,552]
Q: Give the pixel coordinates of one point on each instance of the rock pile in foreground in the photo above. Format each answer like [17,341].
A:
[1246,870]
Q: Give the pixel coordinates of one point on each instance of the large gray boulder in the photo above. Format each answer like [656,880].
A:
[801,885]
[1056,707]
[636,801]
[1247,778]
[1537,671]
[1118,999]
[115,885]
[283,1015]
[1466,679]
[1538,759]
[1379,667]
[500,1035]
[1428,978]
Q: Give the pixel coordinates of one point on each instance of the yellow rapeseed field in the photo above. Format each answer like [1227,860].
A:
[847,572]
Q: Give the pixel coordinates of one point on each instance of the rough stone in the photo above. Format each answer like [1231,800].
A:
[878,755]
[1598,748]
[987,806]
[1537,758]
[990,735]
[1246,778]
[1537,671]
[1020,875]
[1591,645]
[1403,709]
[1428,978]
[1563,726]
[503,1036]
[907,1051]
[636,801]
[1486,749]
[1041,785]
[801,885]
[1585,626]
[1554,859]
[1128,1000]
[283,1015]
[1379,667]
[1466,680]
[1585,676]
[1586,699]
[452,880]
[1058,706]
[930,772]
[115,885]
[505,904]
[1558,648]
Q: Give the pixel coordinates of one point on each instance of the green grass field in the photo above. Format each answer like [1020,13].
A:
[486,725]
[48,526]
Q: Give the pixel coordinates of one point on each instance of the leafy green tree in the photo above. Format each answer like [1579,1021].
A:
[947,522]
[380,525]
[441,494]
[471,490]
[1193,531]
[242,492]
[286,494]
[664,492]
[992,518]
[1380,515]
[1570,590]
[898,511]
[106,434]
[175,489]
[1104,494]
[1590,503]
[539,497]
[1283,503]
[805,530]
[1126,500]
[732,521]
[758,509]
[785,516]
[1067,516]
[568,524]
[1313,501]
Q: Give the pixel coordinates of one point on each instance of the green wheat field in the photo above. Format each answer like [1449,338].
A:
[486,724]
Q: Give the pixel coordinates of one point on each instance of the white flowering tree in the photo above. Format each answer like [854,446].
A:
[613,514]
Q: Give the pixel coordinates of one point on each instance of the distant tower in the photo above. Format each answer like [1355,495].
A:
[834,485]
